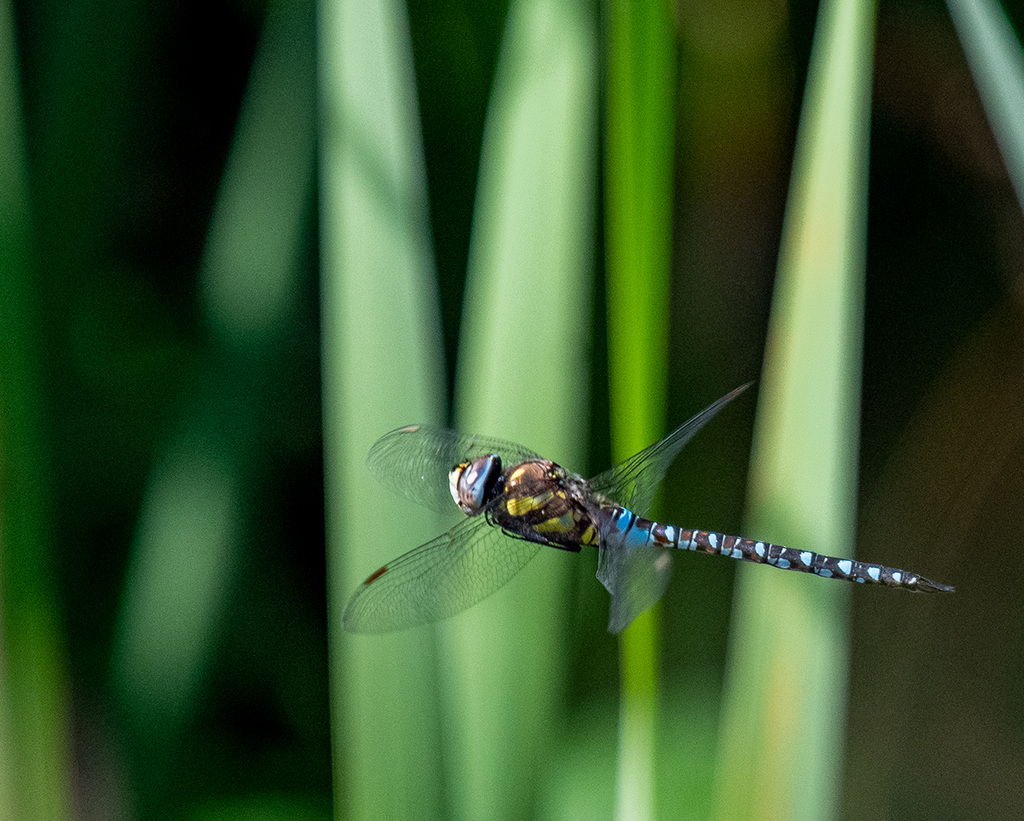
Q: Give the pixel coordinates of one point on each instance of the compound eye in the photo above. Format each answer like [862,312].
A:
[472,483]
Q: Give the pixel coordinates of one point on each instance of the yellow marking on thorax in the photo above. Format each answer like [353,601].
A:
[521,505]
[561,524]
[589,536]
[517,474]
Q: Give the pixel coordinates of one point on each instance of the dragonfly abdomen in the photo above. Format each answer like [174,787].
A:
[806,561]
[636,531]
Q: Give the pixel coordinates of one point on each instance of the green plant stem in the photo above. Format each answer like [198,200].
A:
[382,367]
[786,684]
[638,175]
[34,728]
[523,368]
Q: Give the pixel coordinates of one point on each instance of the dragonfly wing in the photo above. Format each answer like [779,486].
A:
[635,577]
[415,461]
[438,579]
[634,482]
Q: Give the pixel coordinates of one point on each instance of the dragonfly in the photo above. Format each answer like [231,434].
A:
[516,503]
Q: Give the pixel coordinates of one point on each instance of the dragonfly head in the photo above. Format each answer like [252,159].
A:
[473,483]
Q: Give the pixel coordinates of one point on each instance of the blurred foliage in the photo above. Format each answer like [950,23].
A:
[156,172]
[640,66]
[803,467]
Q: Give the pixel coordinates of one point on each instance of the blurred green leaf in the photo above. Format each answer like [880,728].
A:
[382,368]
[189,534]
[247,286]
[523,375]
[260,807]
[640,134]
[787,667]
[997,62]
[34,719]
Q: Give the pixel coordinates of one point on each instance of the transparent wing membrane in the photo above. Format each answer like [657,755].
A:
[635,577]
[633,482]
[438,579]
[414,461]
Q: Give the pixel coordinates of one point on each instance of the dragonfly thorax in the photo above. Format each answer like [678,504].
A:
[473,484]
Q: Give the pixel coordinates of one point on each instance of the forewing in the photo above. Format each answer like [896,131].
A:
[415,461]
[438,579]
[636,577]
[633,483]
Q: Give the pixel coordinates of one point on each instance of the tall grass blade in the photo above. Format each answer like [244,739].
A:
[786,677]
[523,375]
[382,367]
[34,756]
[997,61]
[638,236]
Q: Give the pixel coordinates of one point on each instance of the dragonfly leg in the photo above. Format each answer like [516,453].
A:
[536,538]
